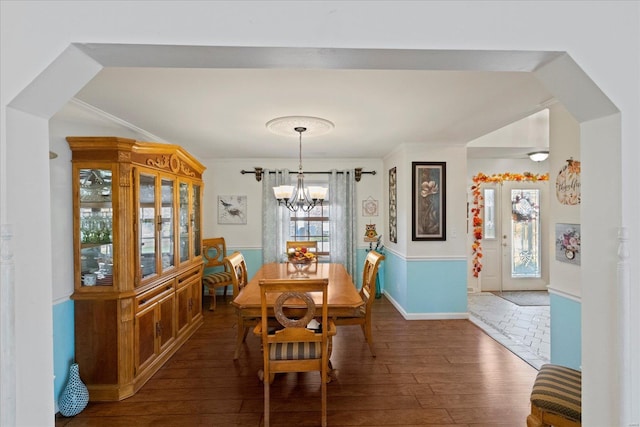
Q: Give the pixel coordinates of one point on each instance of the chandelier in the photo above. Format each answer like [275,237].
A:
[300,197]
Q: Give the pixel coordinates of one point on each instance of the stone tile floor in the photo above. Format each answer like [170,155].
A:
[524,330]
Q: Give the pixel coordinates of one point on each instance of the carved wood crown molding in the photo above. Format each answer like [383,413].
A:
[172,163]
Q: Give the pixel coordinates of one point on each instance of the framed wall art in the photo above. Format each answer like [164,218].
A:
[568,243]
[370,207]
[393,206]
[428,205]
[232,209]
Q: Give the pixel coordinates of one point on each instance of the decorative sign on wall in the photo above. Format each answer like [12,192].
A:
[370,207]
[393,206]
[232,209]
[568,183]
[568,243]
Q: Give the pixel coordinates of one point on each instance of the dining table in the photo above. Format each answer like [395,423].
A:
[343,299]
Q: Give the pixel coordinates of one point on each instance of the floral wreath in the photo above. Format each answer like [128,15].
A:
[476,247]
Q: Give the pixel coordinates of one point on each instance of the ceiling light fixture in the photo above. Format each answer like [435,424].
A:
[299,197]
[539,156]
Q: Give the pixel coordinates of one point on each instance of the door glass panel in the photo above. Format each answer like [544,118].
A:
[195,221]
[525,233]
[147,225]
[167,232]
[96,227]
[184,221]
[489,213]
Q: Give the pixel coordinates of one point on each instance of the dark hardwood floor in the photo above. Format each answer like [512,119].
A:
[426,373]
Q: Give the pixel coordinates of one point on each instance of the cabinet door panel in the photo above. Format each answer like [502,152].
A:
[196,221]
[184,314]
[166,308]
[147,228]
[168,226]
[95,226]
[145,337]
[183,221]
[196,299]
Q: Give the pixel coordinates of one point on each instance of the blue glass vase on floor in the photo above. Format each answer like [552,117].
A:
[74,396]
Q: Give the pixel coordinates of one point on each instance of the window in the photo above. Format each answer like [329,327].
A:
[312,225]
[489,213]
[525,233]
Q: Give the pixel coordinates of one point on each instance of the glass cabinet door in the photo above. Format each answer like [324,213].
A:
[96,227]
[147,225]
[184,221]
[167,232]
[195,221]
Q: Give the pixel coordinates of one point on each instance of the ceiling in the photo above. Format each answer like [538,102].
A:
[222,112]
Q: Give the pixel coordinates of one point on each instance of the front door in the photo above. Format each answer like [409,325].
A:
[515,236]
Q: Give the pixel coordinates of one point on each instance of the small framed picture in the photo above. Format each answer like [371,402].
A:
[370,207]
[568,247]
[232,209]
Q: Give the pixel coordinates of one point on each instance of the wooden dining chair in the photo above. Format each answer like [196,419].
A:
[368,294]
[216,273]
[238,267]
[293,347]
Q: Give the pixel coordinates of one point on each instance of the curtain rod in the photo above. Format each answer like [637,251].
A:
[258,172]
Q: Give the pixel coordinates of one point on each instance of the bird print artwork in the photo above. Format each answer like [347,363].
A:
[232,210]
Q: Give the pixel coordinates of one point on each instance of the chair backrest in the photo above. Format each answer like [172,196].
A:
[293,294]
[238,268]
[369,275]
[214,250]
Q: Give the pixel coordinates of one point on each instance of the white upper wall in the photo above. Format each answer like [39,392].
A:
[223,178]
[565,137]
[530,132]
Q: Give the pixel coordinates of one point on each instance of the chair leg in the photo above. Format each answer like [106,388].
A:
[266,404]
[212,294]
[535,418]
[368,336]
[242,335]
[323,392]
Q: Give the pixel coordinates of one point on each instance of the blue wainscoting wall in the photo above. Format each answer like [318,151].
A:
[395,279]
[253,258]
[433,288]
[566,330]
[63,345]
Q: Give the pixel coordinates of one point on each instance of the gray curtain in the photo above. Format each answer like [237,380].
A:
[275,220]
[344,220]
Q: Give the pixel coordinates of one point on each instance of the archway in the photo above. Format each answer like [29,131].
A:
[27,119]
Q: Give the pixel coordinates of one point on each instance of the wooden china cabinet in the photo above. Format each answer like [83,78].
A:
[137,259]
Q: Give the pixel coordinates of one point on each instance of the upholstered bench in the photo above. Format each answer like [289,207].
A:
[556,398]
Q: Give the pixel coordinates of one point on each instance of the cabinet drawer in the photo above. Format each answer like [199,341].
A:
[189,276]
[153,295]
